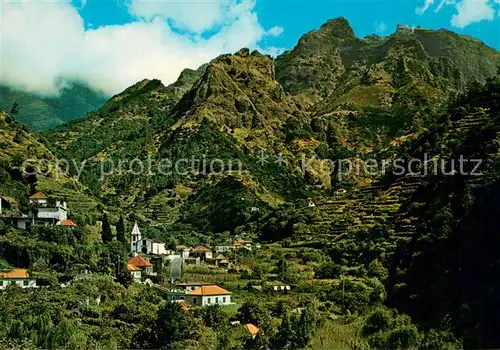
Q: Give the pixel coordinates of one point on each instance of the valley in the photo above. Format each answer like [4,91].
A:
[271,247]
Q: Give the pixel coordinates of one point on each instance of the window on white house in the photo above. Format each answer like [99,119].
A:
[209,300]
[224,300]
[216,300]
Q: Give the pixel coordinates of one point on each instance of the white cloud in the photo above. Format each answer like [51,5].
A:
[197,16]
[42,42]
[275,31]
[424,8]
[380,28]
[468,11]
[472,11]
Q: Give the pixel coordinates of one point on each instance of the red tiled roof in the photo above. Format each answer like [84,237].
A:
[8,199]
[252,329]
[68,223]
[132,267]
[209,290]
[39,195]
[15,273]
[139,261]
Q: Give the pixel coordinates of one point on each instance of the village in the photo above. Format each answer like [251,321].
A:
[151,262]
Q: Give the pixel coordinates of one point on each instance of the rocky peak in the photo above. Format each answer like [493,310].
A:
[338,27]
[238,90]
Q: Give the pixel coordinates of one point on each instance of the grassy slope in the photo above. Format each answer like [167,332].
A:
[43,113]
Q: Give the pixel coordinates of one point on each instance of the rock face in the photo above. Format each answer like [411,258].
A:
[316,63]
[238,91]
[332,63]
[333,96]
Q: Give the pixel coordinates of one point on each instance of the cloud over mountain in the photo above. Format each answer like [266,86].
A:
[44,43]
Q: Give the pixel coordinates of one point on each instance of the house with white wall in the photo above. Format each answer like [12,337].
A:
[20,277]
[209,295]
[183,251]
[43,211]
[135,272]
[142,263]
[220,249]
[139,244]
[201,252]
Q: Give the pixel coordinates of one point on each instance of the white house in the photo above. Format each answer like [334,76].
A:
[135,272]
[190,286]
[17,276]
[183,251]
[145,245]
[223,249]
[149,246]
[44,208]
[43,211]
[209,295]
[201,252]
[277,286]
[143,264]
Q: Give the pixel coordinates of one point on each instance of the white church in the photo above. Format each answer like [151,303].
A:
[138,244]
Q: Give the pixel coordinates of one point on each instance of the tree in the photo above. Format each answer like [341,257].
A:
[215,318]
[254,312]
[282,268]
[285,335]
[106,233]
[305,327]
[173,325]
[15,109]
[328,270]
[379,320]
[120,230]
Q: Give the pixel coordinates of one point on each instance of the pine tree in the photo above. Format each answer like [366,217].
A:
[120,230]
[15,109]
[106,234]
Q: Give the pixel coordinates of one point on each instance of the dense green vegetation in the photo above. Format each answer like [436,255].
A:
[47,112]
[371,260]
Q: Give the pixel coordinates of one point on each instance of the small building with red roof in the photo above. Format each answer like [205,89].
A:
[142,264]
[253,330]
[20,277]
[209,295]
[67,223]
[135,272]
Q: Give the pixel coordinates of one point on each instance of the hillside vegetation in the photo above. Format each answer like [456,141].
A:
[382,259]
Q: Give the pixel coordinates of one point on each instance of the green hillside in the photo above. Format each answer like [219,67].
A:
[27,166]
[242,149]
[43,113]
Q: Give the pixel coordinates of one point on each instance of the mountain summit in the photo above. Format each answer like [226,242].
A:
[332,61]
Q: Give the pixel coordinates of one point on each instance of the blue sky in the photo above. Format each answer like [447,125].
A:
[111,44]
[297,17]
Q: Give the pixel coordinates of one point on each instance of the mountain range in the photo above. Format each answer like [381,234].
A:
[414,94]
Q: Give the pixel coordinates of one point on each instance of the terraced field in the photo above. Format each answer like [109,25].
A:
[381,205]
